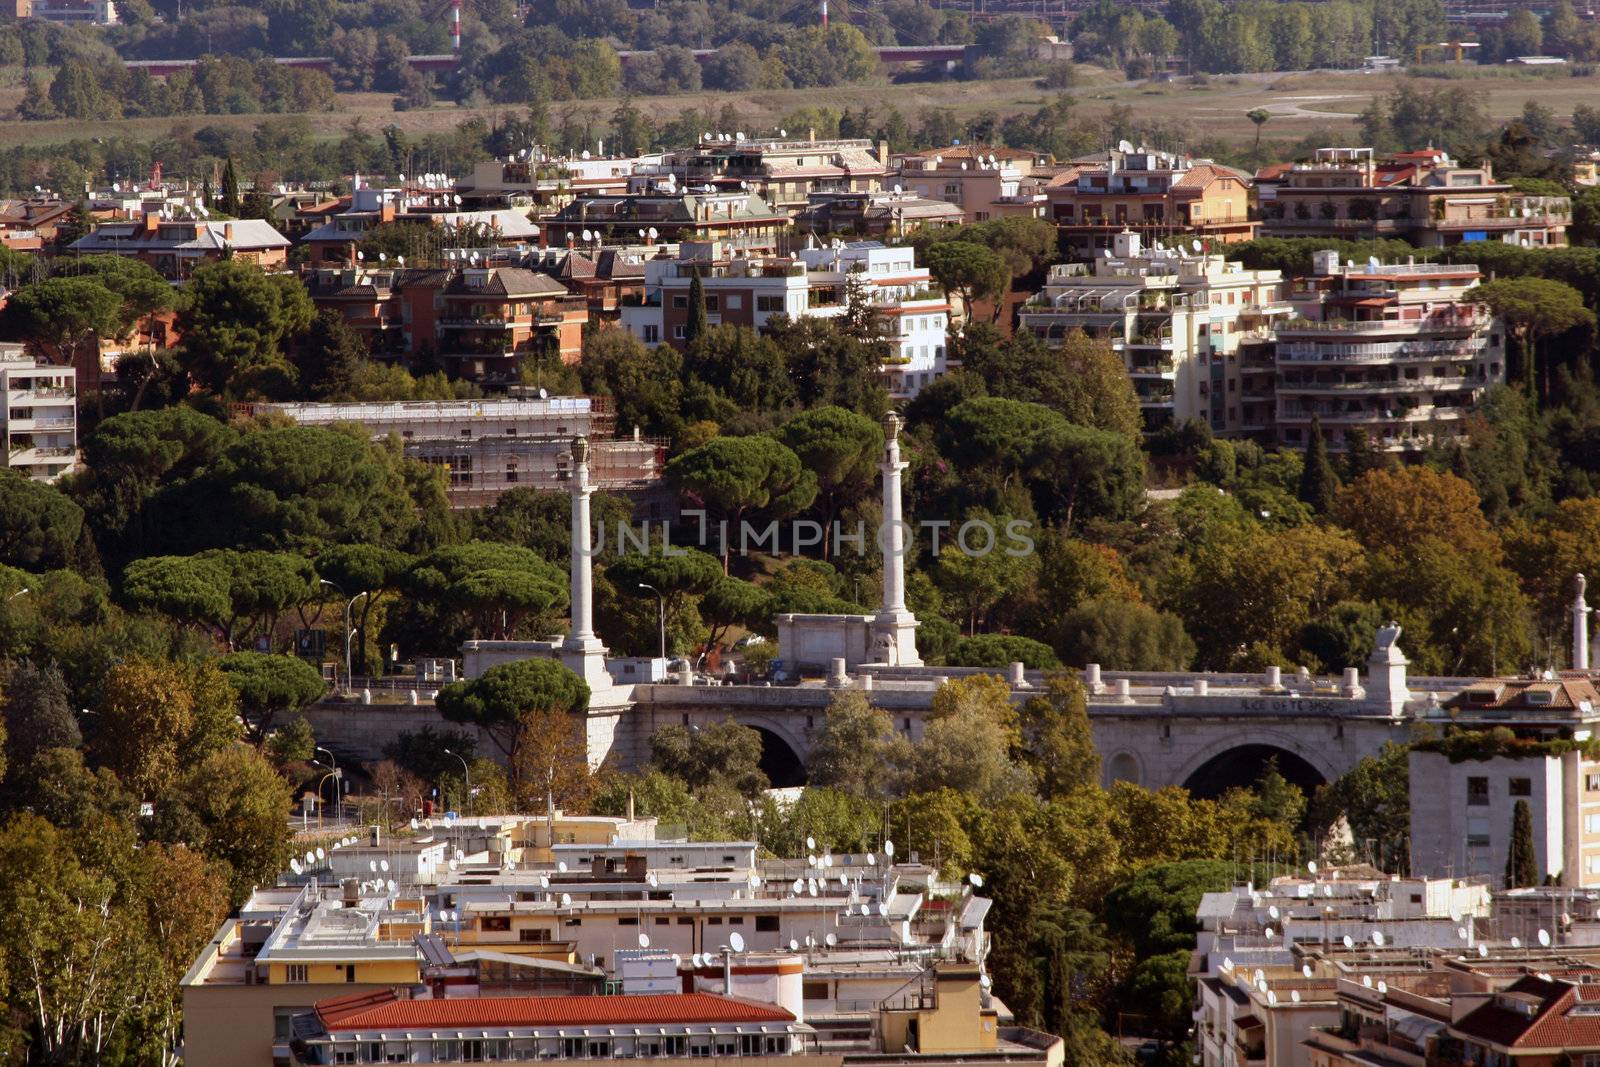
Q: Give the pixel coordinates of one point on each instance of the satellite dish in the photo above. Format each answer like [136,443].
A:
[1227,963]
[1294,995]
[1312,866]
[311,859]
[372,865]
[1483,950]
[1544,938]
[400,260]
[976,879]
[1461,932]
[898,190]
[985,981]
[651,880]
[383,257]
[811,844]
[830,940]
[794,946]
[1349,942]
[562,866]
[457,199]
[1366,980]
[585,153]
[294,865]
[1272,998]
[544,881]
[1377,938]
[644,940]
[652,232]
[360,256]
[1327,890]
[383,865]
[1268,933]
[677,961]
[699,961]
[391,885]
[872,860]
[454,864]
[883,909]
[754,881]
[736,941]
[827,861]
[1273,911]
[1305,969]
[811,887]
[1383,987]
[811,861]
[1516,942]
[888,849]
[1196,246]
[566,900]
[587,236]
[798,887]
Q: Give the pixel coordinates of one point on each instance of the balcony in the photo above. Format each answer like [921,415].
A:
[24,425]
[1436,325]
[466,322]
[1401,385]
[39,394]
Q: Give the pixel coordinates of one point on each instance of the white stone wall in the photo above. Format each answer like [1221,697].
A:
[1446,829]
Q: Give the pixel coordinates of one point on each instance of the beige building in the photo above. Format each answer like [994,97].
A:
[1394,349]
[1185,324]
[1423,196]
[985,183]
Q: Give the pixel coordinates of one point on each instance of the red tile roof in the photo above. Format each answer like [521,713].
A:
[1553,1023]
[385,1011]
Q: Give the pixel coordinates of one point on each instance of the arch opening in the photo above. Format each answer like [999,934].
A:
[1242,767]
[779,762]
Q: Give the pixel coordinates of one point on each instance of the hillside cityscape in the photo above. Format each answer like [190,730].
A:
[838,534]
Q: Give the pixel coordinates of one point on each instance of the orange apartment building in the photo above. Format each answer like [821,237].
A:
[335,242]
[175,247]
[1158,195]
[1423,197]
[667,213]
[480,321]
[985,183]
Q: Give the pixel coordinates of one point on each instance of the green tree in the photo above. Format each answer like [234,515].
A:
[242,804]
[1123,635]
[698,322]
[723,753]
[1001,650]
[40,526]
[1374,796]
[1058,742]
[232,203]
[498,700]
[1318,482]
[146,716]
[841,449]
[1535,309]
[1258,117]
[38,712]
[269,686]
[738,477]
[858,751]
[236,327]
[1522,865]
[970,271]
[64,318]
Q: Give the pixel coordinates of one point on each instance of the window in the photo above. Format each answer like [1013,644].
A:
[496,923]
[1591,824]
[814,991]
[685,921]
[1477,792]
[713,302]
[680,301]
[678,333]
[1591,783]
[714,921]
[350,972]
[283,1022]
[652,335]
[1477,832]
[766,924]
[574,921]
[539,936]
[733,303]
[295,974]
[511,472]
[628,921]
[663,922]
[1522,787]
[769,303]
[736,920]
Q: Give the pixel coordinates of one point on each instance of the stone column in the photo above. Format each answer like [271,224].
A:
[892,538]
[1580,628]
[582,549]
[894,629]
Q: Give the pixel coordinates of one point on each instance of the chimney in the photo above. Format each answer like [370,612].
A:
[811,133]
[152,220]
[386,211]
[227,231]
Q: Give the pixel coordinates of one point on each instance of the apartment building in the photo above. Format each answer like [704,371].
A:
[1423,197]
[174,247]
[984,182]
[334,243]
[1395,349]
[785,173]
[39,418]
[745,290]
[1462,825]
[489,446]
[876,215]
[1187,325]
[290,947]
[665,211]
[1158,195]
[606,277]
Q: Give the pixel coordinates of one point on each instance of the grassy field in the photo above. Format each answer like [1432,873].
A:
[1301,104]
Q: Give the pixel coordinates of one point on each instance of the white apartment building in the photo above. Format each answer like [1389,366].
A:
[1186,324]
[39,419]
[745,289]
[1394,349]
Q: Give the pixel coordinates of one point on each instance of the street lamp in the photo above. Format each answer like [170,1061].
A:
[332,762]
[20,592]
[334,774]
[661,616]
[467,772]
[349,679]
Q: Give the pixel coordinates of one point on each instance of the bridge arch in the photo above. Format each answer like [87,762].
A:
[1124,767]
[1242,759]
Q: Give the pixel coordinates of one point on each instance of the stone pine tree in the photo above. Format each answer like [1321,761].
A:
[698,322]
[231,202]
[1521,867]
[1318,480]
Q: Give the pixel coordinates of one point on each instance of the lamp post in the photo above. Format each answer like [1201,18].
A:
[661,616]
[20,592]
[334,774]
[467,773]
[334,763]
[349,679]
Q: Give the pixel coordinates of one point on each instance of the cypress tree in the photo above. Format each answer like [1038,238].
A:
[1318,480]
[1521,867]
[698,322]
[231,202]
